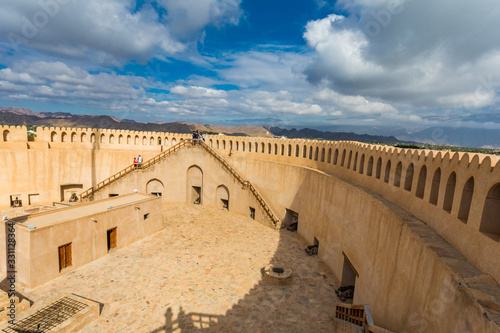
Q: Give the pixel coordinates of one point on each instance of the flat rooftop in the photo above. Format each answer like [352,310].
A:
[86,209]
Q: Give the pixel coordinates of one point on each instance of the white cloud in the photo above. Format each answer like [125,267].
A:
[187,18]
[110,31]
[263,69]
[383,49]
[355,104]
[8,75]
[58,81]
[280,103]
[198,92]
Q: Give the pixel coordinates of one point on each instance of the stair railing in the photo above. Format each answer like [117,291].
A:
[120,174]
[141,166]
[359,315]
[245,183]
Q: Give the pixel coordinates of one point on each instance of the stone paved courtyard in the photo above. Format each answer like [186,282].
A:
[202,273]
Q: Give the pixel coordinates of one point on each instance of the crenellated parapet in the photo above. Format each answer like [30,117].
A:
[457,193]
[454,181]
[13,134]
[113,138]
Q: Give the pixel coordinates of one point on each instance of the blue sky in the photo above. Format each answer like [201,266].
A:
[372,63]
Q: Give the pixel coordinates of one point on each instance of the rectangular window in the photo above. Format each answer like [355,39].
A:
[113,195]
[33,199]
[15,200]
[65,256]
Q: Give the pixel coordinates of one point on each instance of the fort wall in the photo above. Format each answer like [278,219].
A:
[368,205]
[85,229]
[13,134]
[458,194]
[173,179]
[405,272]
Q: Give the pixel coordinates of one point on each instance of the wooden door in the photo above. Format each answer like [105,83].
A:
[111,239]
[65,256]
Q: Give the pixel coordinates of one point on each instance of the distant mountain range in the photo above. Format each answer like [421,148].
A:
[458,136]
[15,116]
[307,133]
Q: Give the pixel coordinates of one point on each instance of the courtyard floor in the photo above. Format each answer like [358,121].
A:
[202,273]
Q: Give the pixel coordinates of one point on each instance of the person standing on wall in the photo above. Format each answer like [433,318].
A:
[139,160]
[195,137]
[135,162]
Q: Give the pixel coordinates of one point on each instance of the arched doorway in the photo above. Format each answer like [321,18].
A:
[155,187]
[222,197]
[195,185]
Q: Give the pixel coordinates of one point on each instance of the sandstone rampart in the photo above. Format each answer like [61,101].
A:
[458,194]
[358,200]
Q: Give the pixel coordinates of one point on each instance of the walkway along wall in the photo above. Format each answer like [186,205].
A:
[457,194]
[351,197]
[409,276]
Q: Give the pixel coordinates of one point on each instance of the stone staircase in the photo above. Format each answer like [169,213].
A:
[88,194]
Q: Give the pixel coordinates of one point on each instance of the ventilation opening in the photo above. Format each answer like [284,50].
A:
[465,203]
[225,203]
[196,195]
[146,216]
[291,220]
[111,238]
[490,225]
[252,213]
[436,181]
[33,199]
[113,195]
[348,282]
[449,193]
[15,200]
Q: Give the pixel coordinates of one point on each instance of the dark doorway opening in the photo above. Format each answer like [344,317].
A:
[252,213]
[196,195]
[111,237]
[291,220]
[348,282]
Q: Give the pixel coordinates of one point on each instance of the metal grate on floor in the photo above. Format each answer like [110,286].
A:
[48,317]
